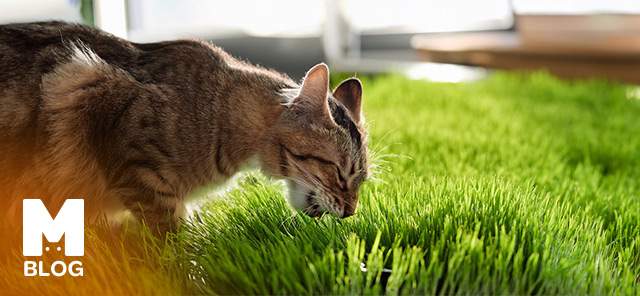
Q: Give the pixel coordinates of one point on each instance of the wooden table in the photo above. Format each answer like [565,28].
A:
[617,59]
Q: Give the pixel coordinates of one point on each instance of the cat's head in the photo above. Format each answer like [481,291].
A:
[321,144]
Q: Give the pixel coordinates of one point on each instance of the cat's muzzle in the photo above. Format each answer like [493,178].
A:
[312,206]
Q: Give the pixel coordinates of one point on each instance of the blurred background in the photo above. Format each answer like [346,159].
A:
[451,41]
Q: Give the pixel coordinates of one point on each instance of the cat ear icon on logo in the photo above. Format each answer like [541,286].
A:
[37,221]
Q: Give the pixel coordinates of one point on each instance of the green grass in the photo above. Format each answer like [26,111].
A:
[518,184]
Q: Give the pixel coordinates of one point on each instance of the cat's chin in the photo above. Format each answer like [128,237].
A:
[303,199]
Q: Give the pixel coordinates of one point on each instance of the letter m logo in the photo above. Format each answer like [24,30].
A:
[37,221]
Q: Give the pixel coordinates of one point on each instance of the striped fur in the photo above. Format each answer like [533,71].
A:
[140,127]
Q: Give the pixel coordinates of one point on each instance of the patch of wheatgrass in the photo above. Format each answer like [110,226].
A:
[517,184]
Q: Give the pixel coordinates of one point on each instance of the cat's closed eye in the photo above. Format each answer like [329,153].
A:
[342,183]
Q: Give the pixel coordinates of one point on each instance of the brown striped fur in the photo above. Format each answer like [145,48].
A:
[140,127]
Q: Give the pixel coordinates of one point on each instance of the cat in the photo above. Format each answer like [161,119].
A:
[138,128]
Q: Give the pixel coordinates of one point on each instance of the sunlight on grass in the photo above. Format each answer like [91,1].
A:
[518,184]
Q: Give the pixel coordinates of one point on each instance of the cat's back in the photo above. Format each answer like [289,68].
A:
[32,54]
[27,53]
[30,50]
[36,48]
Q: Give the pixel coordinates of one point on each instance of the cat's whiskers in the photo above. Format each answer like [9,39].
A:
[321,191]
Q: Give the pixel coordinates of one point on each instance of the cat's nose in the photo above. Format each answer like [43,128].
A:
[350,205]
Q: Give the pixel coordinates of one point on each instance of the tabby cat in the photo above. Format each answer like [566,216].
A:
[139,128]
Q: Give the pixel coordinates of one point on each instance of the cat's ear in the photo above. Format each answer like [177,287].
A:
[315,87]
[349,93]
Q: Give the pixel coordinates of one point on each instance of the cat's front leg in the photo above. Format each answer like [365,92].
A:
[161,213]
